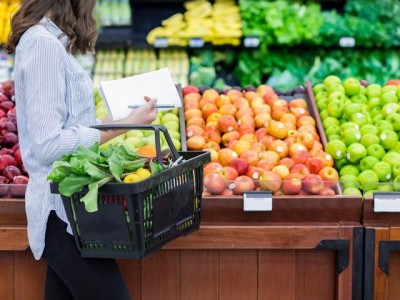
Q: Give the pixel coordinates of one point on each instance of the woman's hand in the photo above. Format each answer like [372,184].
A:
[144,114]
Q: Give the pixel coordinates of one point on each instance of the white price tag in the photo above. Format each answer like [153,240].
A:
[196,42]
[347,42]
[161,42]
[251,42]
[257,201]
[387,202]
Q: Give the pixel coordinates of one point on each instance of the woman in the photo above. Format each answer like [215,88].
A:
[55,109]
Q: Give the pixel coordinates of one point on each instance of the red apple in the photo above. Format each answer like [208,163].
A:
[214,184]
[292,184]
[243,183]
[313,184]
[314,165]
[300,169]
[330,176]
[270,181]
[241,165]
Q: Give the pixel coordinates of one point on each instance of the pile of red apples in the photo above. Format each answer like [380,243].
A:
[257,141]
[12,170]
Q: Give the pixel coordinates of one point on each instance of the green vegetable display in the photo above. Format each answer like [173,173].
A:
[94,167]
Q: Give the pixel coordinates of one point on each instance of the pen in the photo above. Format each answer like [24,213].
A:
[157,106]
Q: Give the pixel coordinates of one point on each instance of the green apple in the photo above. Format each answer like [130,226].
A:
[374,102]
[177,144]
[319,87]
[352,108]
[383,125]
[388,97]
[368,180]
[330,121]
[352,86]
[134,132]
[341,162]
[363,90]
[336,148]
[321,95]
[389,139]
[373,90]
[349,170]
[398,92]
[376,151]
[339,96]
[352,191]
[348,180]
[385,187]
[389,89]
[394,119]
[175,111]
[369,194]
[390,108]
[391,158]
[359,118]
[119,140]
[349,125]
[172,126]
[101,112]
[335,129]
[356,152]
[331,79]
[369,128]
[368,162]
[147,133]
[359,99]
[396,184]
[383,170]
[322,104]
[175,135]
[396,148]
[169,117]
[369,139]
[333,137]
[131,143]
[335,108]
[351,136]
[323,114]
[377,118]
[335,87]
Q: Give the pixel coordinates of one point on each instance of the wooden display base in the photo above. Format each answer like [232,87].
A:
[382,254]
[305,248]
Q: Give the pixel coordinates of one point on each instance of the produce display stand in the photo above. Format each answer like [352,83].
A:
[305,248]
[382,252]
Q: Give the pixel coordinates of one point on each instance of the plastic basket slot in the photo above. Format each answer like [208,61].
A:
[92,245]
[121,246]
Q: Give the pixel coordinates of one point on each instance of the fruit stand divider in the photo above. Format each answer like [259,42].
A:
[382,253]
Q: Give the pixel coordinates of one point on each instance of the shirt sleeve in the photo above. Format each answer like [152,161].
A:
[45,93]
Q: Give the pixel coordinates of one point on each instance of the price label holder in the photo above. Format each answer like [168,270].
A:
[251,41]
[196,42]
[257,201]
[386,202]
[161,42]
[347,42]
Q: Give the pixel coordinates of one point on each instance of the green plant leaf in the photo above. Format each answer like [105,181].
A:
[116,166]
[73,184]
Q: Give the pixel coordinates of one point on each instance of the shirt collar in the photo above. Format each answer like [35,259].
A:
[54,30]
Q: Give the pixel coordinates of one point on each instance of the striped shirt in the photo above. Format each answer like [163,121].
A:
[55,108]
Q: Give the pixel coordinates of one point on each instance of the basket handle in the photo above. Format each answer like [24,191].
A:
[156,128]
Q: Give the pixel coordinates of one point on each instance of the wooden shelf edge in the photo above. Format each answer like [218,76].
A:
[256,237]
[13,238]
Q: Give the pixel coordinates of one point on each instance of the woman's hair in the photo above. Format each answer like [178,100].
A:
[74,18]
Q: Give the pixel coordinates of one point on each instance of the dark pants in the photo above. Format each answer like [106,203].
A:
[69,276]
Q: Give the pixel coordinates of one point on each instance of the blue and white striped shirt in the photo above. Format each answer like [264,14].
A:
[55,108]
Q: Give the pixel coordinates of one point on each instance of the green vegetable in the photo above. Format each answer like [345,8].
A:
[94,167]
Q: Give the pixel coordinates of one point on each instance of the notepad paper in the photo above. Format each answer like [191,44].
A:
[119,94]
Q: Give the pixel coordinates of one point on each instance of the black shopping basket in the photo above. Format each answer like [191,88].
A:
[136,219]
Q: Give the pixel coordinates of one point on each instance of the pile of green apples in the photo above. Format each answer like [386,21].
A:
[362,125]
[135,139]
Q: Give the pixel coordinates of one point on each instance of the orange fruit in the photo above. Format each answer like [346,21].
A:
[147,151]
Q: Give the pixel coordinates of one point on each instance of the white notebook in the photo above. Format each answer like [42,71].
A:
[119,94]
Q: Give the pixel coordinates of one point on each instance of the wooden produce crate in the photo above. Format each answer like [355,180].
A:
[382,249]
